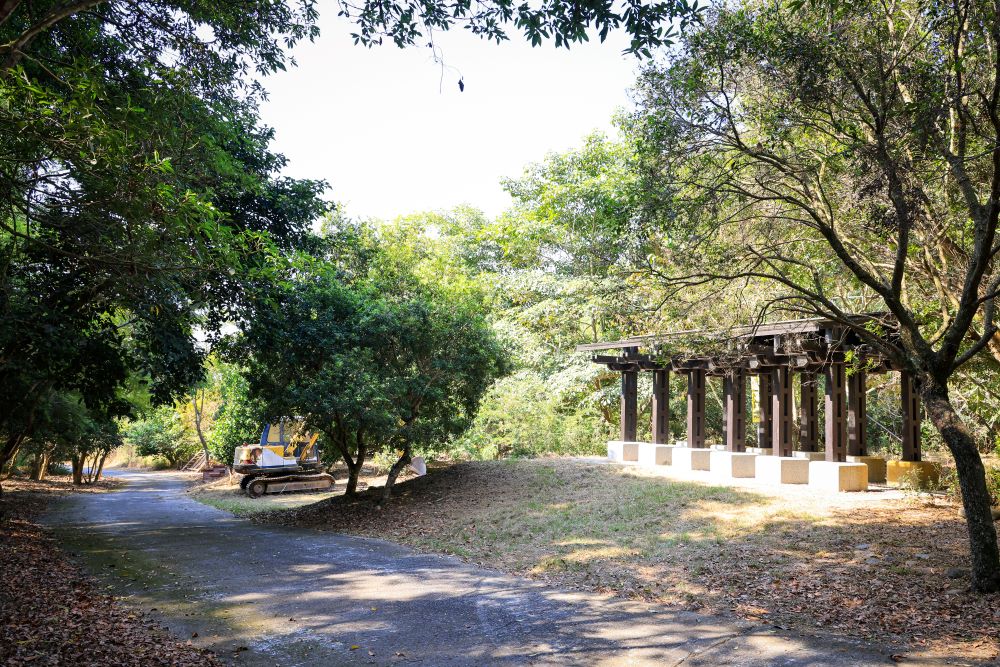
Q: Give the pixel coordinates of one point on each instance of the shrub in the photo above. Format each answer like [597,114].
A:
[162,434]
[521,416]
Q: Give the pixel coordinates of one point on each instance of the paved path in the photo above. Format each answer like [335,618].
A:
[270,595]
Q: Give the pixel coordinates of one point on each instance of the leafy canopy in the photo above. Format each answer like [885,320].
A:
[372,358]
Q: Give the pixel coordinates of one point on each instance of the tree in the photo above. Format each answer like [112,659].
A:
[239,418]
[138,196]
[66,429]
[836,158]
[100,438]
[161,433]
[378,362]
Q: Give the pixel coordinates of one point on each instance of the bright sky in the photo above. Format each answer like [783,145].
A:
[390,139]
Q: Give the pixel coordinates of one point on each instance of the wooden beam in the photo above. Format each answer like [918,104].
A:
[781,411]
[629,405]
[765,361]
[661,406]
[696,408]
[836,413]
[764,426]
[734,411]
[857,414]
[808,413]
[687,365]
[910,401]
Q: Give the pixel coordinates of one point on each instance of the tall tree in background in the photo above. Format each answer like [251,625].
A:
[138,195]
[846,155]
[369,356]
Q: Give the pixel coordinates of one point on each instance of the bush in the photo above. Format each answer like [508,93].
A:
[521,416]
[948,484]
[161,434]
[993,484]
[239,418]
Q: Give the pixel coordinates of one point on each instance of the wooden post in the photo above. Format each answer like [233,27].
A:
[661,406]
[808,413]
[781,411]
[630,405]
[857,414]
[911,417]
[734,411]
[696,408]
[836,413]
[764,406]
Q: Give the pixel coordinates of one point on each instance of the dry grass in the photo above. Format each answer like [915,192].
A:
[868,566]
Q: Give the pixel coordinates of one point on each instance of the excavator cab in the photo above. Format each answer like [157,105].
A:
[285,459]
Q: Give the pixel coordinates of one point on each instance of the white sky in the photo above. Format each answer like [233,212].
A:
[375,125]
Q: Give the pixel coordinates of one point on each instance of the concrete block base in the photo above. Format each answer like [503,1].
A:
[692,458]
[923,473]
[732,464]
[620,451]
[655,455]
[837,476]
[762,451]
[876,467]
[782,470]
[810,456]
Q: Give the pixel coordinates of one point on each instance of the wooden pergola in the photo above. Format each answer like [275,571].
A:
[774,353]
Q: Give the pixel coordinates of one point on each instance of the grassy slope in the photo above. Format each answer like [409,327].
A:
[851,564]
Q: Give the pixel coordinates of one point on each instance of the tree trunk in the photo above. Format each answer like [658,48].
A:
[77,461]
[197,425]
[40,466]
[394,471]
[100,466]
[9,451]
[972,480]
[353,472]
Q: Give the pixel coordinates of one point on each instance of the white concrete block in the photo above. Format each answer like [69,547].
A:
[620,451]
[692,458]
[810,456]
[655,455]
[836,476]
[876,467]
[782,470]
[732,464]
[762,451]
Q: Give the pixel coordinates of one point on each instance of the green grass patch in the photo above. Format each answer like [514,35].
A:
[231,499]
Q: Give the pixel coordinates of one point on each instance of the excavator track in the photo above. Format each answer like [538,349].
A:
[260,485]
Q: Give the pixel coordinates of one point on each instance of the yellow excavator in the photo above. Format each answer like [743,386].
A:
[286,459]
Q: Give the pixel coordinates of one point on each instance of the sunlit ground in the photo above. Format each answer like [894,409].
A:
[872,565]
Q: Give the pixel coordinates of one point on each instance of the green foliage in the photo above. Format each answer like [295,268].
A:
[371,357]
[64,428]
[238,419]
[520,416]
[649,25]
[161,433]
[138,196]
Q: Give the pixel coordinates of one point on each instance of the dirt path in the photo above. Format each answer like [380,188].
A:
[271,595]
